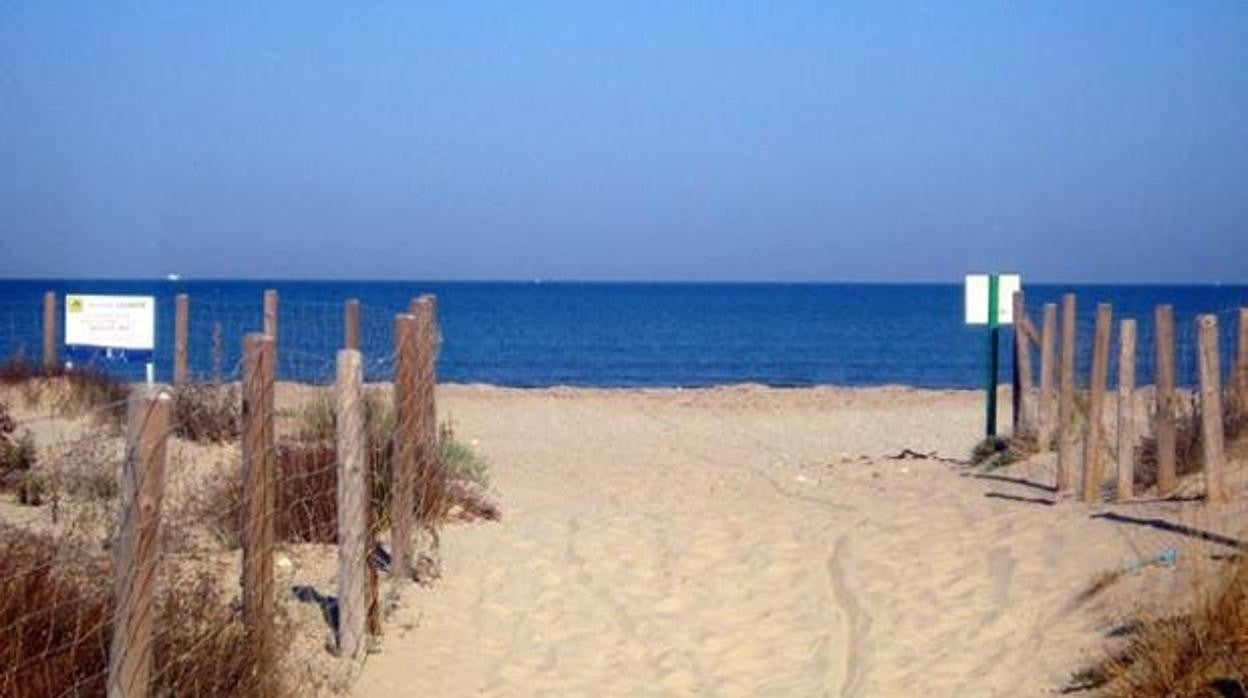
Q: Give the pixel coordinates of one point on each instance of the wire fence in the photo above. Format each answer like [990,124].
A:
[219,536]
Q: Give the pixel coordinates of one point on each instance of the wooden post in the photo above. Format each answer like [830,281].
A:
[351,324]
[1048,396]
[427,467]
[50,361]
[1241,364]
[1167,407]
[1093,470]
[181,329]
[403,474]
[1067,436]
[218,352]
[1211,407]
[137,551]
[270,323]
[258,488]
[353,497]
[1126,410]
[374,604]
[1024,398]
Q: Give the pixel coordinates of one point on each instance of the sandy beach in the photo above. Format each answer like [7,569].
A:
[755,541]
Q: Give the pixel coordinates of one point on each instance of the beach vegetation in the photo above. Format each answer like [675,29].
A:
[998,452]
[1201,652]
[206,413]
[1189,441]
[307,480]
[17,461]
[56,613]
[71,392]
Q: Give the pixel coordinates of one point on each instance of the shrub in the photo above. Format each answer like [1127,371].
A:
[207,413]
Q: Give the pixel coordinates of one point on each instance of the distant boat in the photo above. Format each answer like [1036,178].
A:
[173,277]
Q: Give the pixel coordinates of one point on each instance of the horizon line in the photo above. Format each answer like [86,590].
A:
[610,281]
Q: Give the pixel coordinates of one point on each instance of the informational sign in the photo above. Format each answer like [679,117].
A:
[122,327]
[979,299]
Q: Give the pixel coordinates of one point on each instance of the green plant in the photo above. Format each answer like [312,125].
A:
[317,421]
[460,461]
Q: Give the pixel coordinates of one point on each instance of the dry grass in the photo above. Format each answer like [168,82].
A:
[1201,653]
[17,461]
[55,629]
[1188,454]
[307,481]
[206,413]
[54,619]
[998,452]
[70,392]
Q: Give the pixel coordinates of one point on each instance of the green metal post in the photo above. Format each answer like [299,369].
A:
[994,349]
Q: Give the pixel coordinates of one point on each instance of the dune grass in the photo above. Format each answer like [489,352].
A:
[1203,652]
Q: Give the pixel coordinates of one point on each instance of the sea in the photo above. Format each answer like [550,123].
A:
[537,334]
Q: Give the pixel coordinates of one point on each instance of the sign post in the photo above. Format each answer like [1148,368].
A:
[113,328]
[988,302]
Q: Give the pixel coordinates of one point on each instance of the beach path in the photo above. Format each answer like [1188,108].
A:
[744,541]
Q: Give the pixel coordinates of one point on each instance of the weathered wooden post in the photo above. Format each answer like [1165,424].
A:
[181,330]
[351,324]
[1167,407]
[1048,367]
[137,551]
[50,360]
[428,472]
[1126,410]
[1093,472]
[218,352]
[258,489]
[353,498]
[1211,407]
[270,323]
[1024,399]
[1241,364]
[403,474]
[1067,435]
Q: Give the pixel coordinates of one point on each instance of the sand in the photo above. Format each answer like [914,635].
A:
[751,541]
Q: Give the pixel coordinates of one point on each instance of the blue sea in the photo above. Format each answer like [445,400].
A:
[629,334]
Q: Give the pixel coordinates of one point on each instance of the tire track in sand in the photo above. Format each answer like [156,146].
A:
[857,625]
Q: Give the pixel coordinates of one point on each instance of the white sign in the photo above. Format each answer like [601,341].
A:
[111,322]
[977,298]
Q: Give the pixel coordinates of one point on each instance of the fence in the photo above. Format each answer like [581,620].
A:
[1050,413]
[198,538]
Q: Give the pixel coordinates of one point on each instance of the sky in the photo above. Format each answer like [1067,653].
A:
[782,141]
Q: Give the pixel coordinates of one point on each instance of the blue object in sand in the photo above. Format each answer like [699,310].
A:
[1167,558]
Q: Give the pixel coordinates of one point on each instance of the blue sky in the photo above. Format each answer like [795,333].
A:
[1073,141]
